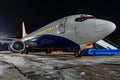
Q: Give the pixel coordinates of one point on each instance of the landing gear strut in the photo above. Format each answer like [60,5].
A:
[77,53]
[48,51]
[25,52]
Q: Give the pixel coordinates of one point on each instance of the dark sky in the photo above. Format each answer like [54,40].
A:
[37,13]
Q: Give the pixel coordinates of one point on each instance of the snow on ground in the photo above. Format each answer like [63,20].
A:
[3,68]
[53,67]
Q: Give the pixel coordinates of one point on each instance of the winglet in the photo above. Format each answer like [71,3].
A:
[23,30]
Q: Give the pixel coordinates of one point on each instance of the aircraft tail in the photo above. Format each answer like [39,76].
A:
[23,30]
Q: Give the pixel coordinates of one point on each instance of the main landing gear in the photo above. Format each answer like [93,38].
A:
[25,52]
[48,51]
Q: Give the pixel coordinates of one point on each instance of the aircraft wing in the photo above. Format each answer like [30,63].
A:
[6,40]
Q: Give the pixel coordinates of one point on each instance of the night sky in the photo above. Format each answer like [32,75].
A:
[37,13]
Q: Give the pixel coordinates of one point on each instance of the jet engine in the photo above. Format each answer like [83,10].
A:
[16,46]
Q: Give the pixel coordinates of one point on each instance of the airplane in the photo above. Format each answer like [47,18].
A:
[68,32]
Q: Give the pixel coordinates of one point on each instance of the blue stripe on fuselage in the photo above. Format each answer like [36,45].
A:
[52,41]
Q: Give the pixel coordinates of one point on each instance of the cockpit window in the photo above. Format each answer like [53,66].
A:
[83,18]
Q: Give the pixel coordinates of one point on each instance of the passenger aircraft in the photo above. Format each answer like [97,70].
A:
[68,32]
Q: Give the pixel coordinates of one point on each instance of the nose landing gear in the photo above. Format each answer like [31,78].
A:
[77,53]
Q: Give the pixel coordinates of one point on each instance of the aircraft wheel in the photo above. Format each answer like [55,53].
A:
[77,54]
[25,52]
[48,51]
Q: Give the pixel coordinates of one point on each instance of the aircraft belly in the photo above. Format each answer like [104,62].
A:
[53,41]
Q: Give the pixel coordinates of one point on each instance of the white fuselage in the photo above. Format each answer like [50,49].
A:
[81,32]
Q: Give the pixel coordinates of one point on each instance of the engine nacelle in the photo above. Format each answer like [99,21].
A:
[17,46]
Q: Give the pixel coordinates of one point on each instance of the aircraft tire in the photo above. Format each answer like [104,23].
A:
[26,52]
[77,54]
[48,51]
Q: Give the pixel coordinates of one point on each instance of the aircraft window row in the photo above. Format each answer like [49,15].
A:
[83,18]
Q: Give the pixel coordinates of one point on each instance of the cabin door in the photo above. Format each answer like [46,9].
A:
[62,26]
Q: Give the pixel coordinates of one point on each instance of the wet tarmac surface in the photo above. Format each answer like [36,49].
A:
[37,66]
[10,72]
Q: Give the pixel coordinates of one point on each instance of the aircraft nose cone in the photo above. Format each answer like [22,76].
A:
[104,28]
[110,26]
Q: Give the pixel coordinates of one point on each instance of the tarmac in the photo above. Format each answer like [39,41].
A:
[10,72]
[62,66]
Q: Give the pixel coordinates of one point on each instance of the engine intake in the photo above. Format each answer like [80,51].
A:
[17,46]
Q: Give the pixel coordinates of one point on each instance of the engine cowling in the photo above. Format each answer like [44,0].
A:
[17,46]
